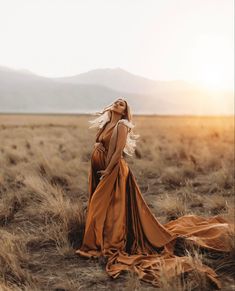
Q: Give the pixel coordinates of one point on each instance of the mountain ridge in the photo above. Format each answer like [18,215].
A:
[24,91]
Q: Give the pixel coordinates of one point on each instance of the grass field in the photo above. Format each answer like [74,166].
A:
[183,165]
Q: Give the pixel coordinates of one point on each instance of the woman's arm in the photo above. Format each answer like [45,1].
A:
[122,131]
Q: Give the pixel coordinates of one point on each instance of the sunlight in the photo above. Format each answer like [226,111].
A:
[213,63]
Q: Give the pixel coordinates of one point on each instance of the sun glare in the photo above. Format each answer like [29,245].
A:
[213,61]
[215,82]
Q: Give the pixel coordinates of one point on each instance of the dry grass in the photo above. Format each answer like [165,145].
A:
[178,280]
[183,165]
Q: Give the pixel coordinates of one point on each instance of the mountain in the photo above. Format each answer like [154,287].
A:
[119,79]
[25,92]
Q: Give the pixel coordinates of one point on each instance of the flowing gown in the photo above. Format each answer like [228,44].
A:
[121,228]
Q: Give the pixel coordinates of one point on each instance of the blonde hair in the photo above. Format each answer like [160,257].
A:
[104,116]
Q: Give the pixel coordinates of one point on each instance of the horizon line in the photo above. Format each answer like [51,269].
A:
[135,114]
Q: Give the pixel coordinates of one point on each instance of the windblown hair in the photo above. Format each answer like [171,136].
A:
[104,116]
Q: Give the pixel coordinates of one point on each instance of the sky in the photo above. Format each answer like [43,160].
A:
[159,39]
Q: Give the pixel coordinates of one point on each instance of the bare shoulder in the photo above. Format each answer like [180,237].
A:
[126,124]
[122,127]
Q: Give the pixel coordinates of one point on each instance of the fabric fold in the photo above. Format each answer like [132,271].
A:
[121,227]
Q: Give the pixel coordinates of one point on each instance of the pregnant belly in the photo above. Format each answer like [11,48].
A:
[98,160]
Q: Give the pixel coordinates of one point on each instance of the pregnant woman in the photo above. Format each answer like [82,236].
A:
[121,228]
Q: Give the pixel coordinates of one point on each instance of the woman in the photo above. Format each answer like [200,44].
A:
[119,224]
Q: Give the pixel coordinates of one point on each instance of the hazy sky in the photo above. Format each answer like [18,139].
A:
[158,39]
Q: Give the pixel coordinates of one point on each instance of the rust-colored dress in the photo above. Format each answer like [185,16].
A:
[121,227]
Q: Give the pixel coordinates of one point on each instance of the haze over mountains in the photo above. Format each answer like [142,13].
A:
[22,91]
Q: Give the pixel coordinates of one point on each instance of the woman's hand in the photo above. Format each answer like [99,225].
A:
[103,173]
[99,146]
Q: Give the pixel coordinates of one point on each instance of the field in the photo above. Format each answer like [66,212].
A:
[182,164]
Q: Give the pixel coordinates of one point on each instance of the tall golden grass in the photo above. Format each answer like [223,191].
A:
[182,164]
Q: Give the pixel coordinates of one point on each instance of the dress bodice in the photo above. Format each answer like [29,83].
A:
[98,157]
[104,137]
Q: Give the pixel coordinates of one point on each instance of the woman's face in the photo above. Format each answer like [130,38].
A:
[119,106]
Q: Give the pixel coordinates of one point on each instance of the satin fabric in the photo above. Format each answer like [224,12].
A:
[121,227]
